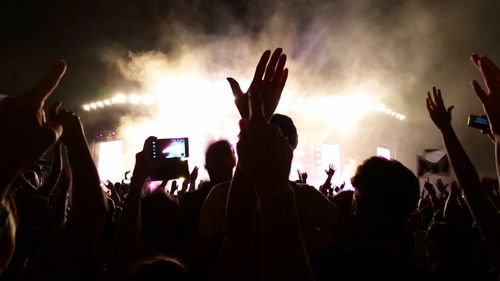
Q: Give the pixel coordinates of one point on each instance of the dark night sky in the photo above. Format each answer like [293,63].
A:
[34,34]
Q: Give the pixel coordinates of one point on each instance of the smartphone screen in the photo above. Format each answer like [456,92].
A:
[478,122]
[170,148]
[481,121]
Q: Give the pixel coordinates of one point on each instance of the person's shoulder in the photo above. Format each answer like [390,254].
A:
[221,188]
[309,194]
[219,192]
[303,188]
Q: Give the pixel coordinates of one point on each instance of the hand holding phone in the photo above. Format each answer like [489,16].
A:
[479,122]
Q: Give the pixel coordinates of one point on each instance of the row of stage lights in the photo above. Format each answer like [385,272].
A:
[382,108]
[134,99]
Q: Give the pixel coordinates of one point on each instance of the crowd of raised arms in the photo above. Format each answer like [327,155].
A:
[249,221]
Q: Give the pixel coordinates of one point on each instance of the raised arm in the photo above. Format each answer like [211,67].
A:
[236,259]
[237,254]
[88,202]
[328,181]
[462,166]
[265,157]
[490,98]
[129,226]
[467,178]
[26,135]
[436,203]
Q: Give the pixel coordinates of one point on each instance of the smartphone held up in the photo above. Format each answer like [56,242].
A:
[479,122]
[170,156]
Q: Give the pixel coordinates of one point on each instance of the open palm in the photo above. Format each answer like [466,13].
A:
[270,78]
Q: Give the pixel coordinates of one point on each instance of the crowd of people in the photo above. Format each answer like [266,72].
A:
[249,221]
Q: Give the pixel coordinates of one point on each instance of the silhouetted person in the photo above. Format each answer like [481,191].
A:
[219,162]
[315,212]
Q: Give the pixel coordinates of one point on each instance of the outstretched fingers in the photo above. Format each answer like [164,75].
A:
[271,67]
[279,69]
[438,99]
[429,102]
[282,80]
[261,66]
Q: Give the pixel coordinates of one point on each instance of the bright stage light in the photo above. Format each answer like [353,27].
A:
[147,99]
[384,152]
[107,102]
[110,162]
[86,107]
[388,111]
[93,105]
[134,99]
[100,104]
[119,98]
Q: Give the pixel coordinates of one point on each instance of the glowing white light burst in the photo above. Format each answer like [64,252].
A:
[188,96]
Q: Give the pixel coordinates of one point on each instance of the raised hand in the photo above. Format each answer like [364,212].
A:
[22,121]
[270,76]
[144,163]
[331,171]
[441,186]
[161,187]
[192,179]
[173,187]
[263,152]
[429,187]
[324,188]
[437,110]
[114,194]
[194,175]
[491,97]
[72,127]
[109,184]
[302,176]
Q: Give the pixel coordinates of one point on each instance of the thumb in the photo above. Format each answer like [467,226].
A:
[449,110]
[235,87]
